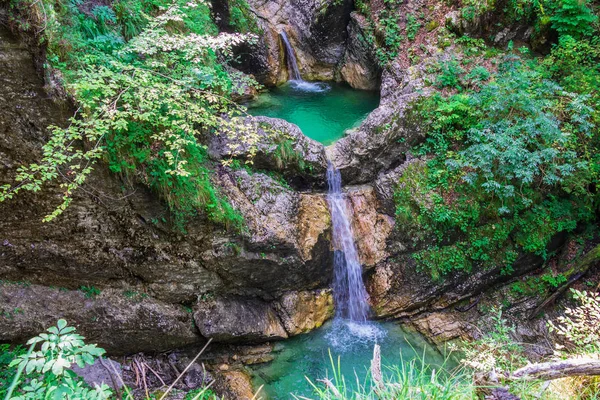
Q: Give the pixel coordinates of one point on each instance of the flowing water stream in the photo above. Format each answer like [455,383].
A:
[324,112]
[292,63]
[349,290]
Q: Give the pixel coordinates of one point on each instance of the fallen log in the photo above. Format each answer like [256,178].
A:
[558,369]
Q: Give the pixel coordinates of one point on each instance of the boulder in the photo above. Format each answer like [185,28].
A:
[100,372]
[281,147]
[440,327]
[237,385]
[314,225]
[278,252]
[301,312]
[235,319]
[371,228]
[380,143]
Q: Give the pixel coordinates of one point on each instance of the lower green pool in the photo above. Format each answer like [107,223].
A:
[323,111]
[308,356]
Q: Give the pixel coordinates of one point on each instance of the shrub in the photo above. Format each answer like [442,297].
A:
[496,350]
[90,292]
[580,326]
[412,26]
[450,75]
[47,369]
[144,105]
[573,18]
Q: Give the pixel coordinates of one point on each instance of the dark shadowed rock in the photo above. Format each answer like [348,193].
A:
[101,372]
[112,320]
[380,143]
[235,319]
[316,30]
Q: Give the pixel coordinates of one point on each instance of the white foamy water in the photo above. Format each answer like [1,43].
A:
[295,79]
[314,87]
[346,335]
[291,58]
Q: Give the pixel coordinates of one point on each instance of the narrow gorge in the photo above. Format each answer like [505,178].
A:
[279,184]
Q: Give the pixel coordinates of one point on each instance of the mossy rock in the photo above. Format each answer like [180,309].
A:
[431,25]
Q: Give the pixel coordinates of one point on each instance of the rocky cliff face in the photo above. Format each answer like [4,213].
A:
[316,30]
[112,258]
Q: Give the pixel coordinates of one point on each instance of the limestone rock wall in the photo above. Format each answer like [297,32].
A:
[114,267]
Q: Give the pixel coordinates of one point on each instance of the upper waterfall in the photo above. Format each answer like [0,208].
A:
[294,72]
[292,64]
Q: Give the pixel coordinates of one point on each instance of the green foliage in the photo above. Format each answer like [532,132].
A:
[90,292]
[573,18]
[7,355]
[539,285]
[47,369]
[200,394]
[384,32]
[450,75]
[567,17]
[412,26]
[478,75]
[393,36]
[135,295]
[241,17]
[496,350]
[580,326]
[149,81]
[510,166]
[409,380]
[575,64]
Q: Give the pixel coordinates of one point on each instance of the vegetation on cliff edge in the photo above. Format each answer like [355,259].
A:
[149,79]
[511,156]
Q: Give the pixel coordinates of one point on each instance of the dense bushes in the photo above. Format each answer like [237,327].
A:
[510,165]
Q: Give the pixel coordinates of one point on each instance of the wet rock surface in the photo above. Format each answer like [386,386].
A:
[301,312]
[383,140]
[371,228]
[281,147]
